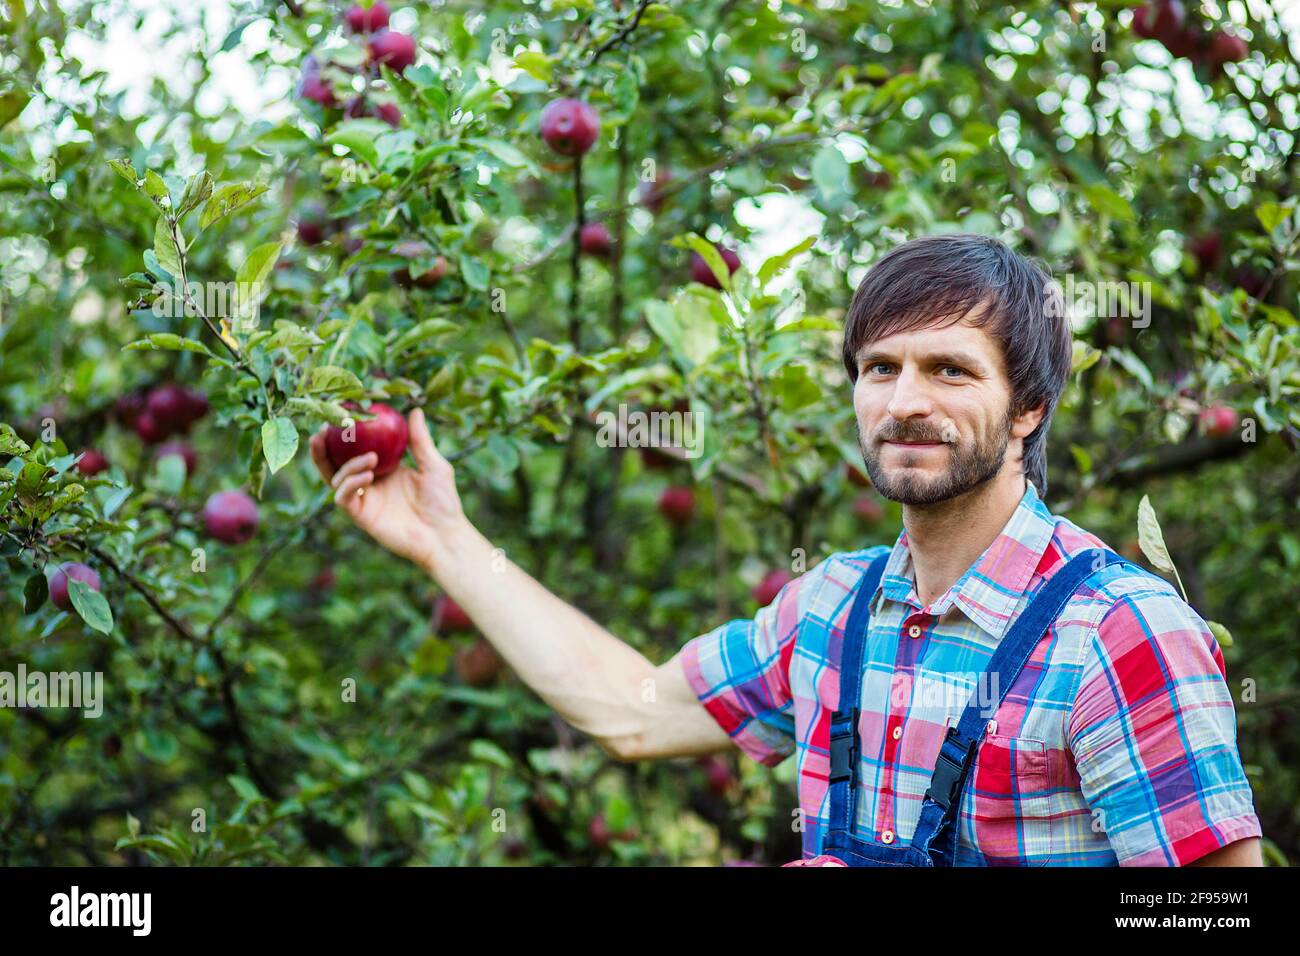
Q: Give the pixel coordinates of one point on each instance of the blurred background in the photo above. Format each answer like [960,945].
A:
[382,178]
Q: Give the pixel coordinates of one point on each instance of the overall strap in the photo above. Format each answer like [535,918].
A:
[844,720]
[956,754]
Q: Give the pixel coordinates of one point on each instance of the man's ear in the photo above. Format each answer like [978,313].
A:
[1023,425]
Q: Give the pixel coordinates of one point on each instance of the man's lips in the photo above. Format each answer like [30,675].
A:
[915,444]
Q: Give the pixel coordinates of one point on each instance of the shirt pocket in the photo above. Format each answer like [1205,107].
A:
[1007,812]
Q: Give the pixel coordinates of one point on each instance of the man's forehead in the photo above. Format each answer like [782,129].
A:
[961,335]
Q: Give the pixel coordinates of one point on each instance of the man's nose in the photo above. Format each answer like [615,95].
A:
[911,397]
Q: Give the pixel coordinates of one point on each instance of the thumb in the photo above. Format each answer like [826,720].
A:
[422,448]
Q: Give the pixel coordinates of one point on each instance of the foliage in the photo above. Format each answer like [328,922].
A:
[228,667]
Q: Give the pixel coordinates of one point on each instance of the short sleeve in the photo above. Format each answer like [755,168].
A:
[740,671]
[1154,737]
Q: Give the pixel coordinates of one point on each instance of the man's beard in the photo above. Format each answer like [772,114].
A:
[969,465]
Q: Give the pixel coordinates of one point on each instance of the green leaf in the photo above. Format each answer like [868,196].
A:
[279,442]
[90,604]
[124,169]
[777,264]
[509,154]
[197,191]
[10,443]
[830,172]
[227,199]
[1221,633]
[359,137]
[1105,200]
[165,247]
[709,252]
[1082,356]
[169,342]
[35,591]
[246,789]
[170,470]
[535,64]
[156,189]
[663,321]
[474,271]
[488,752]
[1270,215]
[254,270]
[1150,538]
[331,378]
[11,104]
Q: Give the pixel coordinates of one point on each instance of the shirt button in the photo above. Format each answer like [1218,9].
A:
[898,732]
[887,836]
[913,631]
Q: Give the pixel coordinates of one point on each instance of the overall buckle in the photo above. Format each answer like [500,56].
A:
[948,773]
[844,756]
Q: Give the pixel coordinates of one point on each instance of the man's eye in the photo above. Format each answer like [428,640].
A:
[953,368]
[875,368]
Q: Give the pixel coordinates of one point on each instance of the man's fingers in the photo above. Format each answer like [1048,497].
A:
[320,456]
[423,450]
[345,496]
[354,466]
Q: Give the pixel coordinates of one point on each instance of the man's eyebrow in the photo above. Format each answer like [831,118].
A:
[870,356]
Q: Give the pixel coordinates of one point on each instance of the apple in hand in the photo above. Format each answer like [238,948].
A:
[230,516]
[569,126]
[59,582]
[385,434]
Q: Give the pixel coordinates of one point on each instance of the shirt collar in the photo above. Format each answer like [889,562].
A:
[991,588]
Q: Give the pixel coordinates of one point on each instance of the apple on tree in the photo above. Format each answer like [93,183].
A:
[449,617]
[1218,421]
[412,251]
[701,272]
[570,127]
[766,590]
[385,434]
[183,451]
[677,504]
[595,240]
[59,582]
[230,516]
[868,509]
[92,462]
[367,19]
[478,665]
[394,50]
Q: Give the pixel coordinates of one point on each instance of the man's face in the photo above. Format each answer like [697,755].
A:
[932,408]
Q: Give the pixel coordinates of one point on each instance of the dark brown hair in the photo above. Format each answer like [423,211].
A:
[936,280]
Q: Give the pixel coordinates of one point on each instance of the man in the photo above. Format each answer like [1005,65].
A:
[1114,741]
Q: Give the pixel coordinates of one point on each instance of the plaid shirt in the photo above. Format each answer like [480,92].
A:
[1116,744]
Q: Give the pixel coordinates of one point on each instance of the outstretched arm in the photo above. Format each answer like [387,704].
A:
[595,681]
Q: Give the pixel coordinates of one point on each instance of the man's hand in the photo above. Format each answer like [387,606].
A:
[406,511]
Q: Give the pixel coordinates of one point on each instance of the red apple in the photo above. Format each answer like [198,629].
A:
[718,774]
[856,476]
[312,86]
[701,272]
[595,239]
[129,406]
[59,582]
[868,509]
[1218,421]
[1251,280]
[655,461]
[478,665]
[569,126]
[230,516]
[395,50]
[183,451]
[170,406]
[313,222]
[450,618]
[385,434]
[389,113]
[197,404]
[324,580]
[363,20]
[677,504]
[1207,250]
[1227,48]
[766,590]
[149,428]
[1159,19]
[92,462]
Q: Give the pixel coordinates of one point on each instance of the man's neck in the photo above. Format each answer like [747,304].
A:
[945,539]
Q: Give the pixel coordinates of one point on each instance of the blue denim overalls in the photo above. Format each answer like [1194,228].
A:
[934,843]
